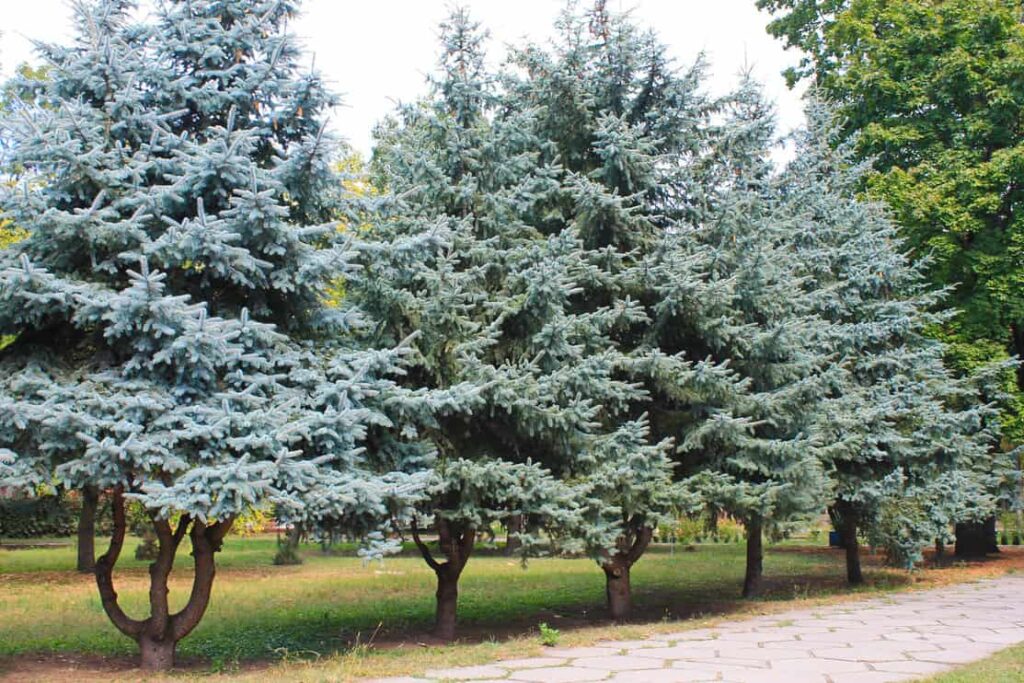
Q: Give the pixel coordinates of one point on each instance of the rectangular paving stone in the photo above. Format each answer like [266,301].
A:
[619,663]
[531,662]
[961,655]
[725,660]
[634,644]
[799,668]
[467,673]
[558,674]
[681,651]
[764,654]
[1008,636]
[573,652]
[757,637]
[912,667]
[875,653]
[769,676]
[931,638]
[869,677]
[695,634]
[664,676]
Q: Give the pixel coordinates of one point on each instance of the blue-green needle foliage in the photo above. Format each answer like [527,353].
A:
[173,344]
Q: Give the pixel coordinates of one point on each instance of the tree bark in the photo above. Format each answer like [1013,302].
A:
[976,539]
[617,566]
[87,529]
[158,635]
[156,654]
[617,589]
[514,525]
[457,545]
[755,559]
[854,576]
[105,572]
[447,602]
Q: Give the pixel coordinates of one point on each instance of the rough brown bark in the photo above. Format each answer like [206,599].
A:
[854,576]
[156,654]
[158,634]
[457,545]
[617,590]
[755,559]
[617,566]
[87,529]
[105,572]
[447,595]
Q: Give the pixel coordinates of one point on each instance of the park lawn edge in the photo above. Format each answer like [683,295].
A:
[414,658]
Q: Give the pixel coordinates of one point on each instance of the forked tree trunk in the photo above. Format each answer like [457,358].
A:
[755,559]
[457,545]
[618,589]
[854,576]
[87,529]
[159,634]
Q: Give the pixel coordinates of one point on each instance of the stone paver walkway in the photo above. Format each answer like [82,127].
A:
[890,638]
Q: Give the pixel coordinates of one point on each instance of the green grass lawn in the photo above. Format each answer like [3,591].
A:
[326,606]
[1006,666]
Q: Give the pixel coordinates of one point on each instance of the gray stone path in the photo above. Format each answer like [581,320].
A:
[889,638]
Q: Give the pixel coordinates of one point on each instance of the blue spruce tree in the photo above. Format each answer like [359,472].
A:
[735,304]
[621,124]
[467,262]
[173,345]
[911,448]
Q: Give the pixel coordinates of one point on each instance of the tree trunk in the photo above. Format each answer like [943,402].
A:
[87,529]
[158,634]
[755,559]
[617,589]
[853,572]
[447,603]
[976,539]
[457,546]
[514,525]
[156,655]
[630,547]
[940,550]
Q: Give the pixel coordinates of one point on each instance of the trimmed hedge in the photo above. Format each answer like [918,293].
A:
[35,517]
[47,516]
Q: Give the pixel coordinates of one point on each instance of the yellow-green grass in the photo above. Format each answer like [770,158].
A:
[321,609]
[1006,666]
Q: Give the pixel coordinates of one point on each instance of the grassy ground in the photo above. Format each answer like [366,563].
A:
[312,622]
[1005,667]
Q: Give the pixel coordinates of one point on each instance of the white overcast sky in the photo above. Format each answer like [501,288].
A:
[377,52]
